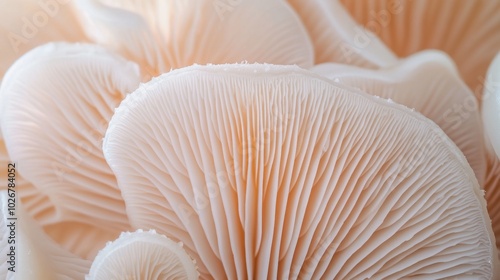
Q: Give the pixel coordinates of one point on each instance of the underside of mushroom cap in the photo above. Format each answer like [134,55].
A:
[143,255]
[274,172]
[491,105]
[55,104]
[27,24]
[428,82]
[469,31]
[35,255]
[338,38]
[164,35]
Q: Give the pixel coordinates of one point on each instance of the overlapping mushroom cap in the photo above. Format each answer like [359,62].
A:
[328,201]
[26,24]
[274,172]
[56,102]
[469,31]
[164,35]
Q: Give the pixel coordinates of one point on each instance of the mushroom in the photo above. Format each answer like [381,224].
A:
[338,38]
[56,102]
[491,105]
[166,35]
[35,255]
[491,116]
[143,255]
[37,204]
[26,24]
[429,82]
[267,172]
[469,31]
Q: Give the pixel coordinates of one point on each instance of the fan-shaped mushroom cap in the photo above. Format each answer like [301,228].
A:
[428,82]
[338,38]
[273,172]
[491,105]
[469,31]
[56,102]
[143,255]
[162,35]
[36,255]
[28,23]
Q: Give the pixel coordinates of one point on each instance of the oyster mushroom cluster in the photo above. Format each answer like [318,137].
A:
[238,139]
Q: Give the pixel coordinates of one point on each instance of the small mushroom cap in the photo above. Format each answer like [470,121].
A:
[428,82]
[273,172]
[469,31]
[55,104]
[143,255]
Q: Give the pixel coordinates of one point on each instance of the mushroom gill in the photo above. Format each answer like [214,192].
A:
[143,255]
[56,102]
[428,82]
[273,172]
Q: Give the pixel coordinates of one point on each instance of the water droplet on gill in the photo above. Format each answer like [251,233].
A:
[337,80]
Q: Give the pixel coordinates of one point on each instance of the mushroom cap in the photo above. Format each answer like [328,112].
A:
[338,38]
[491,121]
[55,104]
[469,31]
[491,105]
[161,36]
[274,172]
[143,255]
[29,23]
[37,256]
[428,82]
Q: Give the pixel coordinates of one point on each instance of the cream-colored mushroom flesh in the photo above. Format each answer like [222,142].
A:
[428,82]
[143,255]
[56,102]
[36,256]
[273,172]
[491,105]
